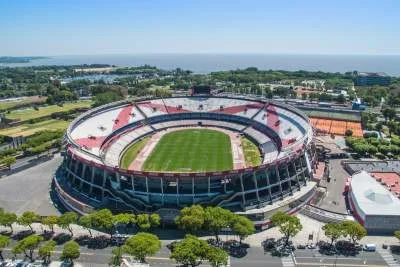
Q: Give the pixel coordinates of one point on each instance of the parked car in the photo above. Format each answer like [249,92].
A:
[370,247]
[301,247]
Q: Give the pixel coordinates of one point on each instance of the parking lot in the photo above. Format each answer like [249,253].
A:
[29,189]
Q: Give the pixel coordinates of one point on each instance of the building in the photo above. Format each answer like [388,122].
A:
[91,176]
[371,78]
[373,205]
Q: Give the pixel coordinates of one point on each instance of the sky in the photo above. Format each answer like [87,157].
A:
[59,27]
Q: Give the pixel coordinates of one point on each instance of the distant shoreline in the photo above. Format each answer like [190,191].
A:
[206,63]
[13,60]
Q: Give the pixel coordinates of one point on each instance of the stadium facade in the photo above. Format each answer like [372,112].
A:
[91,177]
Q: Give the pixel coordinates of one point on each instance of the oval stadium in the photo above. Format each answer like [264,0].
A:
[250,155]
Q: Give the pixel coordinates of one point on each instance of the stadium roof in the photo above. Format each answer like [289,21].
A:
[372,197]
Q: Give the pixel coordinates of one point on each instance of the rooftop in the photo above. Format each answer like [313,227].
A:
[372,197]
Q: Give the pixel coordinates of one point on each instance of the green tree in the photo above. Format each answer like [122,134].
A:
[333,231]
[242,227]
[145,221]
[116,257]
[348,132]
[27,246]
[354,230]
[8,161]
[50,221]
[389,113]
[217,257]
[87,222]
[70,252]
[155,220]
[4,242]
[124,218]
[27,218]
[103,219]
[65,221]
[216,219]
[7,219]
[289,225]
[191,219]
[142,245]
[397,235]
[190,251]
[47,250]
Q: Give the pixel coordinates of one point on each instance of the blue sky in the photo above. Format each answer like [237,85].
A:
[58,27]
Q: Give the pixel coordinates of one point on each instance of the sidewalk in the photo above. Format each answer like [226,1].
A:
[310,227]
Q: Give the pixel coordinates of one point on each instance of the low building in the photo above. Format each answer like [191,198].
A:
[371,78]
[373,205]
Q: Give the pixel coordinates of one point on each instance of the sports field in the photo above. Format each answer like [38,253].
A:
[191,150]
[251,153]
[29,129]
[132,151]
[30,113]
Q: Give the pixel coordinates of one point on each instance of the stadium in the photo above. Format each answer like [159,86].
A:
[162,154]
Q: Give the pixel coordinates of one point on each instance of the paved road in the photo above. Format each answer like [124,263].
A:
[90,257]
[29,189]
[313,258]
[334,199]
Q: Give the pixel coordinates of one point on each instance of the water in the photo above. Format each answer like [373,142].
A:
[204,63]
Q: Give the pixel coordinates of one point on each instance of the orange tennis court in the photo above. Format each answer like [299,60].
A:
[337,127]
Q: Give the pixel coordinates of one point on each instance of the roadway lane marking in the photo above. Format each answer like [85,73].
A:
[388,257]
[337,264]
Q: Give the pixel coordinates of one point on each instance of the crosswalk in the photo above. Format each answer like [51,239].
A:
[287,262]
[388,258]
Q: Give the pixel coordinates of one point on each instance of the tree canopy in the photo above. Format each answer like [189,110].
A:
[289,225]
[71,251]
[142,245]
[191,219]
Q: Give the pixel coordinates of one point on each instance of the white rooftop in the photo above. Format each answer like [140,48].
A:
[372,197]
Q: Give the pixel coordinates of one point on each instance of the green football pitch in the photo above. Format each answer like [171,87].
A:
[191,150]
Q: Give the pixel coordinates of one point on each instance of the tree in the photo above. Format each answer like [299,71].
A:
[191,219]
[334,231]
[142,245]
[190,251]
[217,257]
[154,219]
[217,218]
[289,225]
[389,113]
[27,246]
[27,218]
[4,242]
[8,161]
[7,219]
[103,219]
[50,221]
[145,221]
[397,235]
[354,230]
[124,218]
[348,132]
[242,227]
[70,252]
[116,257]
[47,250]
[86,221]
[66,220]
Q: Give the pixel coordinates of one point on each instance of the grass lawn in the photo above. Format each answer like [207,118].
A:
[191,150]
[26,100]
[332,115]
[131,153]
[30,113]
[29,129]
[251,153]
